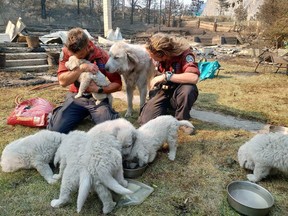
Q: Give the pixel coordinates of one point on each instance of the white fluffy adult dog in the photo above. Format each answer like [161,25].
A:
[91,163]
[134,63]
[33,151]
[86,77]
[264,154]
[152,135]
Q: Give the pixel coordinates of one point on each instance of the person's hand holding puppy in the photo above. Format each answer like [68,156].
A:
[156,80]
[87,67]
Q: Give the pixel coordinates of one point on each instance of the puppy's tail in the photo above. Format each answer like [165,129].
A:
[113,185]
[84,188]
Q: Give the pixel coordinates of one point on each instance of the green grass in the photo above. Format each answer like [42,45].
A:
[195,183]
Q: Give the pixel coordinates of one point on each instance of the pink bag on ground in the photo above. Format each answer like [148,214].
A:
[32,112]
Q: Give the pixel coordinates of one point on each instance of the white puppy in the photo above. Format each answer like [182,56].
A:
[152,135]
[69,149]
[264,153]
[33,151]
[121,129]
[91,163]
[134,63]
[86,77]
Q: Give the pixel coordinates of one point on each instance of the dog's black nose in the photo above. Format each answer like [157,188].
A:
[106,68]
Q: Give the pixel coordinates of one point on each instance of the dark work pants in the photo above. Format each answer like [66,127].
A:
[179,99]
[65,118]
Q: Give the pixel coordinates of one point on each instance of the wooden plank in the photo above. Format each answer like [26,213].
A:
[4,38]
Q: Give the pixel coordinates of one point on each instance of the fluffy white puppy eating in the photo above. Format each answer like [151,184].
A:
[86,77]
[120,128]
[152,135]
[34,151]
[264,153]
[91,163]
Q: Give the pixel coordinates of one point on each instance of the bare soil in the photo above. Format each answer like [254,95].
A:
[12,79]
[17,79]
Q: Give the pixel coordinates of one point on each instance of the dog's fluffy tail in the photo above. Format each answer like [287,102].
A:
[84,188]
[113,185]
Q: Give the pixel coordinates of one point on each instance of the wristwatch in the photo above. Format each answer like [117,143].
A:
[100,89]
[168,75]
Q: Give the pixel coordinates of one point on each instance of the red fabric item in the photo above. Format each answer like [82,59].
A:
[179,64]
[32,112]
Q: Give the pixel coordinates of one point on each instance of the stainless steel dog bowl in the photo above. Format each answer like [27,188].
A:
[249,198]
[134,173]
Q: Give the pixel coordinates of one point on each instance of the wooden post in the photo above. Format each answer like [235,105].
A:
[215,25]
[159,26]
[234,26]
[107,16]
[257,28]
[123,9]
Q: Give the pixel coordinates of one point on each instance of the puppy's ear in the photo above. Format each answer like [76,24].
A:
[72,64]
[116,131]
[134,137]
[132,57]
[145,159]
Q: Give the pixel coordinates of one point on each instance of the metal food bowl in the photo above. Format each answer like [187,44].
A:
[249,198]
[135,172]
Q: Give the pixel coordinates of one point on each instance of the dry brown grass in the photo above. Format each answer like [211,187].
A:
[195,183]
[239,91]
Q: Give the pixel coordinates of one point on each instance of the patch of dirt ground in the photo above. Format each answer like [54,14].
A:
[17,79]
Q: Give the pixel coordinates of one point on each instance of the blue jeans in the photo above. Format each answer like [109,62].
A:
[66,117]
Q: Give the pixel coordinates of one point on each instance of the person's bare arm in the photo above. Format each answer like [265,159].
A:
[191,78]
[112,87]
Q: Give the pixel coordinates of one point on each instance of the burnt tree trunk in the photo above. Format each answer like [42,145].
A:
[43,9]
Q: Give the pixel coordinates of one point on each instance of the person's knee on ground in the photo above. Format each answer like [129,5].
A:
[182,101]
[103,113]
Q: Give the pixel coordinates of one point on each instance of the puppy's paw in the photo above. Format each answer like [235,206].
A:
[107,208]
[78,210]
[78,95]
[124,183]
[56,176]
[252,178]
[143,162]
[171,156]
[128,114]
[56,203]
[52,181]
